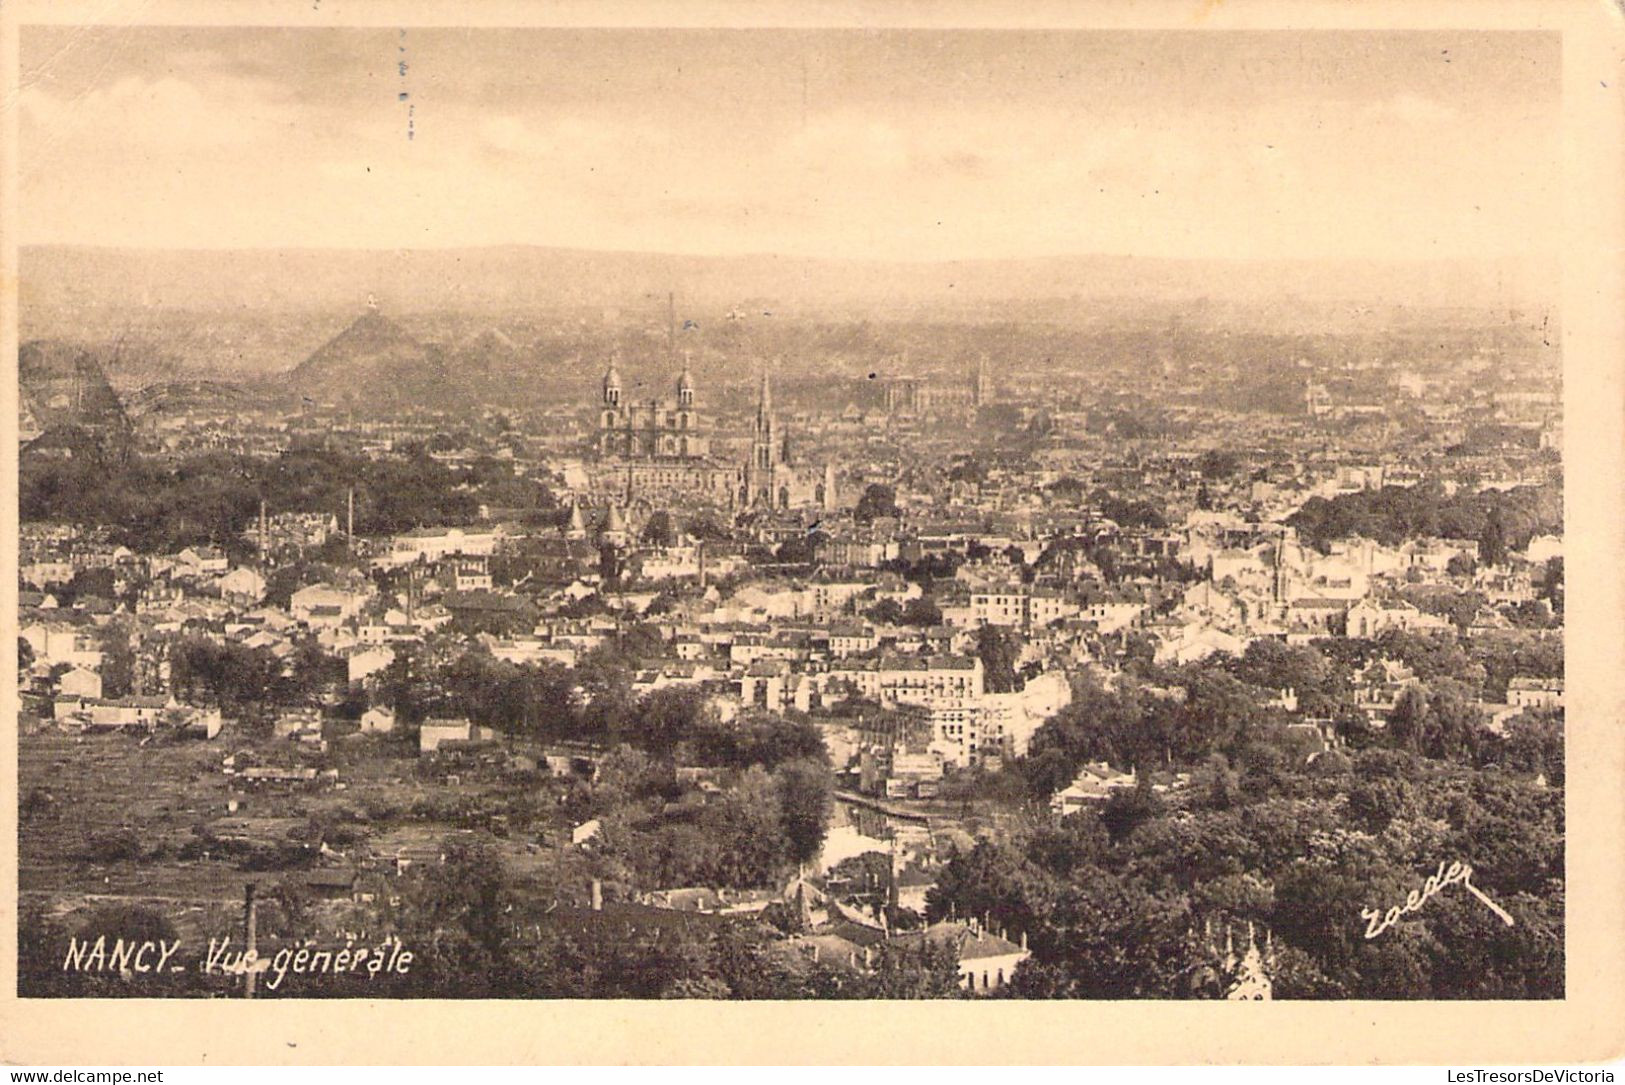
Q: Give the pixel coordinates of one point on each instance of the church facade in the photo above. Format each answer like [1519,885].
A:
[659,450]
[655,429]
[911,397]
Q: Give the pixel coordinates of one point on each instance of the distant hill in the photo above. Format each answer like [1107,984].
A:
[373,362]
[65,398]
[487,365]
[523,278]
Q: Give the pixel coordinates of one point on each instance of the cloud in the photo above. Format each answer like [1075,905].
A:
[163,114]
[174,154]
[571,140]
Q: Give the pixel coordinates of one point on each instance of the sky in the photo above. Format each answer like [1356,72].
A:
[912,145]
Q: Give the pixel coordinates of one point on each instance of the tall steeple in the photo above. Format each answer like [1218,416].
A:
[612,386]
[761,470]
[765,454]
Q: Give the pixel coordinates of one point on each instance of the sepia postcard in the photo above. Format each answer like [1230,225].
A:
[813,533]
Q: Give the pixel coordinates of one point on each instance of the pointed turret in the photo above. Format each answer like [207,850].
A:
[577,528]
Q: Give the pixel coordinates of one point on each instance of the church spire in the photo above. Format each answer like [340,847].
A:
[761,471]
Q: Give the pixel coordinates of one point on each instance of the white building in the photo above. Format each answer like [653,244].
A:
[1535,692]
[368,662]
[324,604]
[434,732]
[435,543]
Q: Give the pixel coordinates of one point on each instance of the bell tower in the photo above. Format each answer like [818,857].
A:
[685,387]
[610,420]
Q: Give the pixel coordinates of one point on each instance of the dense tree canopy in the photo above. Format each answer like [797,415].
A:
[1500,519]
[1140,912]
[158,506]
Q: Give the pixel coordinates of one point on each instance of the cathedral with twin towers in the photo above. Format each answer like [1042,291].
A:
[660,449]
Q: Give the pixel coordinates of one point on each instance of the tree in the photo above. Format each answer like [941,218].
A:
[1461,565]
[399,688]
[1551,584]
[1492,542]
[1533,743]
[806,793]
[1130,807]
[660,531]
[456,921]
[995,882]
[912,972]
[878,500]
[666,717]
[230,675]
[1079,841]
[1217,784]
[885,612]
[1105,559]
[91,582]
[1109,938]
[605,677]
[1215,464]
[801,550]
[921,611]
[998,652]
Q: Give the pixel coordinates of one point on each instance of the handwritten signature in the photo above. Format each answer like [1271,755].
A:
[1457,872]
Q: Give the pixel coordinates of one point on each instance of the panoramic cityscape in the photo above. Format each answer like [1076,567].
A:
[969,585]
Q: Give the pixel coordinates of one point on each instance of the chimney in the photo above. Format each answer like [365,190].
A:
[597,895]
[1024,941]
